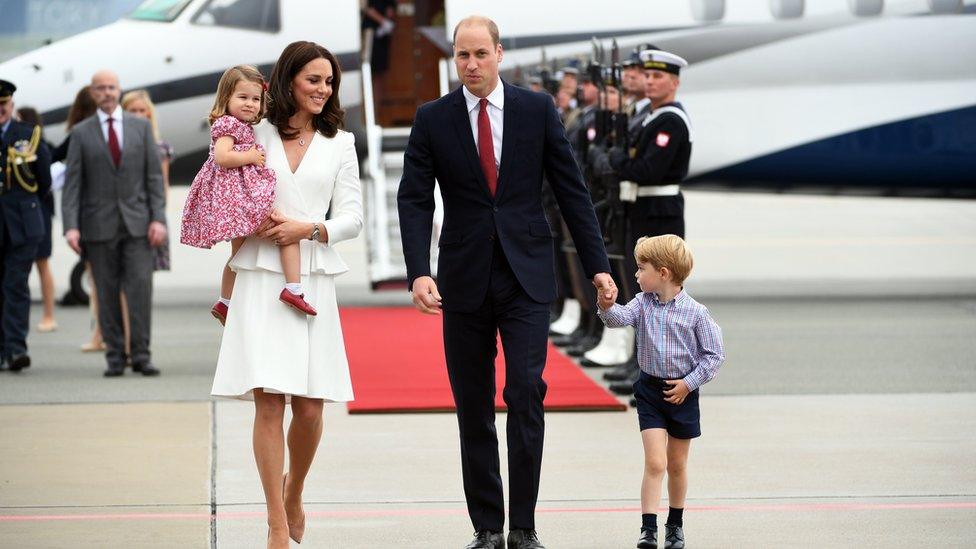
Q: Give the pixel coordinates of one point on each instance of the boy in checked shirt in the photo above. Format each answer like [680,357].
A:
[679,349]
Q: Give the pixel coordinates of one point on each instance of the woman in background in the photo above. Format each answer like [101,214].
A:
[83,107]
[41,260]
[139,103]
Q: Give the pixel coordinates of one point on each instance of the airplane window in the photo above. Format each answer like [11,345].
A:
[159,10]
[260,15]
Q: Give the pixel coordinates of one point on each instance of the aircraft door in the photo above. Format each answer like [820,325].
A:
[408,74]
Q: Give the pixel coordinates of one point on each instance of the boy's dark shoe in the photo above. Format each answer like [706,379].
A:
[524,539]
[486,539]
[674,537]
[647,539]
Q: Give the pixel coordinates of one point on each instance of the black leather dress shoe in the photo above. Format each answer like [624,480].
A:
[647,539]
[524,539]
[18,362]
[620,372]
[626,387]
[146,369]
[114,370]
[674,537]
[486,539]
[586,345]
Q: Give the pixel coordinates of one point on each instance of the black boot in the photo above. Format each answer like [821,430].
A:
[622,371]
[589,341]
[626,387]
[576,336]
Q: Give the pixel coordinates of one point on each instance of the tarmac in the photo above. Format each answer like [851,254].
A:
[844,416]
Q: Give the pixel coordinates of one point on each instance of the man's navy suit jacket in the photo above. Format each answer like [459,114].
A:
[534,146]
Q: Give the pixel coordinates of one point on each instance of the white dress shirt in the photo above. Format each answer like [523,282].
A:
[496,110]
[640,104]
[116,124]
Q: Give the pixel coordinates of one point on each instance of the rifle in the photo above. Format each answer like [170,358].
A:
[549,82]
[610,209]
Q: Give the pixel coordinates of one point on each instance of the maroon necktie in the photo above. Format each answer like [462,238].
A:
[113,144]
[486,148]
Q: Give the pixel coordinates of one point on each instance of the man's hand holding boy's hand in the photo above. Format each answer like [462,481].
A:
[606,299]
[678,391]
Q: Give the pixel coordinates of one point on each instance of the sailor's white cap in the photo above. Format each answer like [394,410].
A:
[663,61]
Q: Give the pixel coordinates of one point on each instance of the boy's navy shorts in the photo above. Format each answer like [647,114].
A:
[653,412]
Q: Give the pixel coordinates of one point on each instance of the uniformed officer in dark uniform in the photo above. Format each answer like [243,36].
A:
[652,170]
[25,174]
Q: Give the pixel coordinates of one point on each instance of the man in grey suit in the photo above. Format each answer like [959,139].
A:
[113,206]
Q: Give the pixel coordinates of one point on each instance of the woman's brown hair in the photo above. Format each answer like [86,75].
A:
[225,89]
[281,104]
[83,107]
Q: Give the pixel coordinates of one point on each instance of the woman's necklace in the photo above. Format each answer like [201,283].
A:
[301,139]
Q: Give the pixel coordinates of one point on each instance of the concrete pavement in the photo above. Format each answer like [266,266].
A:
[844,416]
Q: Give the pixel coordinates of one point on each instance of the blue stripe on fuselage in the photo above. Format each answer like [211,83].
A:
[935,150]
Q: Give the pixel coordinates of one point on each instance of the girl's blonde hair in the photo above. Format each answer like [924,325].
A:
[225,89]
[142,95]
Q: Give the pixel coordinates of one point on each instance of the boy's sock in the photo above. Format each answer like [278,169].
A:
[225,301]
[294,288]
[674,516]
[649,522]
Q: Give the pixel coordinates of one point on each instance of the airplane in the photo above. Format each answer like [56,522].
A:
[836,93]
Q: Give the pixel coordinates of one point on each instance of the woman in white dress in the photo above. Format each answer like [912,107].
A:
[270,353]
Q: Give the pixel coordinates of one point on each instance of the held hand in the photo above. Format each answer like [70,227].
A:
[267,223]
[605,287]
[255,156]
[73,237]
[605,301]
[678,391]
[156,234]
[425,295]
[284,231]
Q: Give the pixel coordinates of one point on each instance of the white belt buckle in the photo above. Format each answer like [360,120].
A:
[628,191]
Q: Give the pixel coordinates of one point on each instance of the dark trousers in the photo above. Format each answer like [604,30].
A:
[470,347]
[124,263]
[15,267]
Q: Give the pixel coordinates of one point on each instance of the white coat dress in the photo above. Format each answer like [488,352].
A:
[267,344]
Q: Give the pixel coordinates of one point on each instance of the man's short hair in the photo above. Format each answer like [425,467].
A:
[668,251]
[473,20]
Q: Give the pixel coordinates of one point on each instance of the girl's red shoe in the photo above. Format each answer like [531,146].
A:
[297,302]
[219,311]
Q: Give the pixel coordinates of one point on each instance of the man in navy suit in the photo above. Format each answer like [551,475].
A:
[489,144]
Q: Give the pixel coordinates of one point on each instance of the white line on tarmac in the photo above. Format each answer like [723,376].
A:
[788,507]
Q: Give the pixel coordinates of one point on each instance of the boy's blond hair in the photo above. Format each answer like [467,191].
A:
[668,251]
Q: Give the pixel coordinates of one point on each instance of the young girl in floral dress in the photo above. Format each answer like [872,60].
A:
[234,192]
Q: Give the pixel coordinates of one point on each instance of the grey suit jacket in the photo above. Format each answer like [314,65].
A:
[97,196]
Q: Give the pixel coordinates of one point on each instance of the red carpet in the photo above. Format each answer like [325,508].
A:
[396,358]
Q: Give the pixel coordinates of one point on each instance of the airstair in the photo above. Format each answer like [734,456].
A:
[382,169]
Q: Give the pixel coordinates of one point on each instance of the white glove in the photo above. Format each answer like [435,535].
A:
[384,29]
